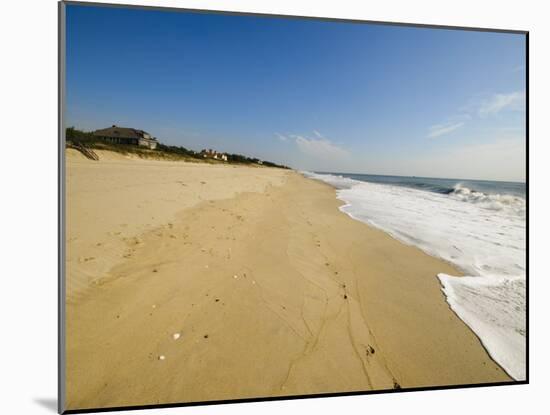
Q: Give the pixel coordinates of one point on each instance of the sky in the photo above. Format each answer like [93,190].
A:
[314,95]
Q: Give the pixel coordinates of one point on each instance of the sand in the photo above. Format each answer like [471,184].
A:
[193,282]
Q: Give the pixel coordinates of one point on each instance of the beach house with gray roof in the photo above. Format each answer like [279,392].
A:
[129,136]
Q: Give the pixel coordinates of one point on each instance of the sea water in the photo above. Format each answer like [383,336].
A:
[479,226]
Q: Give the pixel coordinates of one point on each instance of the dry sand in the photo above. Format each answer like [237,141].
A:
[192,282]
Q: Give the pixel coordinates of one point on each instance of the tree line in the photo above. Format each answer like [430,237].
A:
[88,138]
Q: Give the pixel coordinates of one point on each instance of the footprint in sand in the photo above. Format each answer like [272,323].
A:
[369,350]
[86,259]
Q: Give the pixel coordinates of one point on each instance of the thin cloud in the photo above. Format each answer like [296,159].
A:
[482,108]
[317,133]
[320,148]
[281,137]
[514,101]
[442,129]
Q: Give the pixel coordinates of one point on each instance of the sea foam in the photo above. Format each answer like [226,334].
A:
[482,234]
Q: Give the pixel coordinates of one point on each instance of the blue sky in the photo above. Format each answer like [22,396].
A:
[325,96]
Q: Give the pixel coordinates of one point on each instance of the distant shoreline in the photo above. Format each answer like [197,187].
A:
[418,177]
[87,142]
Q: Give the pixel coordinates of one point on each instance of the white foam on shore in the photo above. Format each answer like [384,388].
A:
[494,307]
[482,234]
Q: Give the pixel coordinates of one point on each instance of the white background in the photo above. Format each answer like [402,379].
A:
[28,208]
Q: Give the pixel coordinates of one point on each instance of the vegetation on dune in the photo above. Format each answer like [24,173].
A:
[163,151]
[74,135]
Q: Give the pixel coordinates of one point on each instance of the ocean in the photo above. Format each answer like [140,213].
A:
[479,226]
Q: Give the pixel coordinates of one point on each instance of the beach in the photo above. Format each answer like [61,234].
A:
[190,282]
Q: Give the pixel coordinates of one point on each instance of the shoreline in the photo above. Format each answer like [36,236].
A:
[269,287]
[465,227]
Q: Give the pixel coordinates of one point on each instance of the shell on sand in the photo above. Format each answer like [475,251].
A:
[176,336]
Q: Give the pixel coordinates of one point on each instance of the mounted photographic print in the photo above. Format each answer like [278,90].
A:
[259,207]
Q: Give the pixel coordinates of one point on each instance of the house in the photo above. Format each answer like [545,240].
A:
[130,136]
[212,154]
